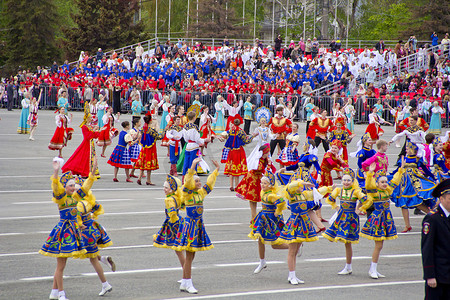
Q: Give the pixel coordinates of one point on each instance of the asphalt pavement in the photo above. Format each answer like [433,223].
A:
[134,213]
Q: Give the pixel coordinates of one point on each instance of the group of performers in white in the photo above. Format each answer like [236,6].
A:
[302,182]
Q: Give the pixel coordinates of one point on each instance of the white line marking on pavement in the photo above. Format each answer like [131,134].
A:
[248,264]
[109,189]
[45,176]
[361,257]
[121,213]
[50,202]
[316,288]
[11,233]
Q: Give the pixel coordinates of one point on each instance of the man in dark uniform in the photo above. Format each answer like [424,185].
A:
[436,246]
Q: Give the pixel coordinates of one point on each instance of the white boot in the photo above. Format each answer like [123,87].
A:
[262,265]
[190,287]
[106,287]
[347,270]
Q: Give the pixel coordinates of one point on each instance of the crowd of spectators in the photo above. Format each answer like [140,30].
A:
[266,73]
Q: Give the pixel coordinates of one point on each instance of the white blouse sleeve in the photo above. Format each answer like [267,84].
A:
[25,104]
[58,121]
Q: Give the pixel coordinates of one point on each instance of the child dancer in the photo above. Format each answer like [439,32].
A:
[298,228]
[72,245]
[108,130]
[205,126]
[233,154]
[416,187]
[250,186]
[374,127]
[440,169]
[345,227]
[82,159]
[148,158]
[380,224]
[135,147]
[362,155]
[266,227]
[24,127]
[33,116]
[166,236]
[262,135]
[95,237]
[63,132]
[193,236]
[193,142]
[436,123]
[289,155]
[174,134]
[120,157]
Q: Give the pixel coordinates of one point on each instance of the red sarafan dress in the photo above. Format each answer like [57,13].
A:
[329,162]
[148,158]
[107,130]
[62,134]
[205,128]
[233,154]
[250,186]
[80,163]
[373,128]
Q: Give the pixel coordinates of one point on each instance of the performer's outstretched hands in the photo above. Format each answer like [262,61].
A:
[216,164]
[372,167]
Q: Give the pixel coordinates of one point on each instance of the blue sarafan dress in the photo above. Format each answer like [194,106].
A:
[345,228]
[120,157]
[414,188]
[439,166]
[268,223]
[219,125]
[303,170]
[192,236]
[299,227]
[94,236]
[167,235]
[380,225]
[362,155]
[65,239]
[136,148]
[23,125]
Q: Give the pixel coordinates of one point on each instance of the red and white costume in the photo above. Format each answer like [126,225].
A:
[62,134]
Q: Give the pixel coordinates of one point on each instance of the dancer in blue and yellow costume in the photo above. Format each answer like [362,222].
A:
[415,189]
[267,225]
[65,240]
[440,169]
[299,227]
[366,152]
[193,237]
[380,224]
[94,237]
[345,227]
[167,235]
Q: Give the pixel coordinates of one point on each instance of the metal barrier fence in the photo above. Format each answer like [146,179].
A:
[76,98]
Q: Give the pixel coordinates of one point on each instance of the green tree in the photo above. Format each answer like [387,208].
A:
[107,24]
[217,18]
[29,33]
[428,16]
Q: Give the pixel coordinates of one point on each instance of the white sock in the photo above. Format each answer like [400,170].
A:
[348,266]
[54,292]
[291,275]
[373,267]
[104,260]
[183,282]
[262,261]
[61,293]
[189,282]
[105,284]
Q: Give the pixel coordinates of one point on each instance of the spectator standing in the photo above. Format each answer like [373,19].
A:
[434,39]
[278,42]
[139,50]
[380,46]
[10,94]
[445,43]
[99,54]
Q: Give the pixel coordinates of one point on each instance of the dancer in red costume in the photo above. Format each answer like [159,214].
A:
[82,160]
[108,130]
[250,186]
[374,127]
[63,132]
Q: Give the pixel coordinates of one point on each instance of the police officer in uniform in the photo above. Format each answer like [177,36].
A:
[436,246]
